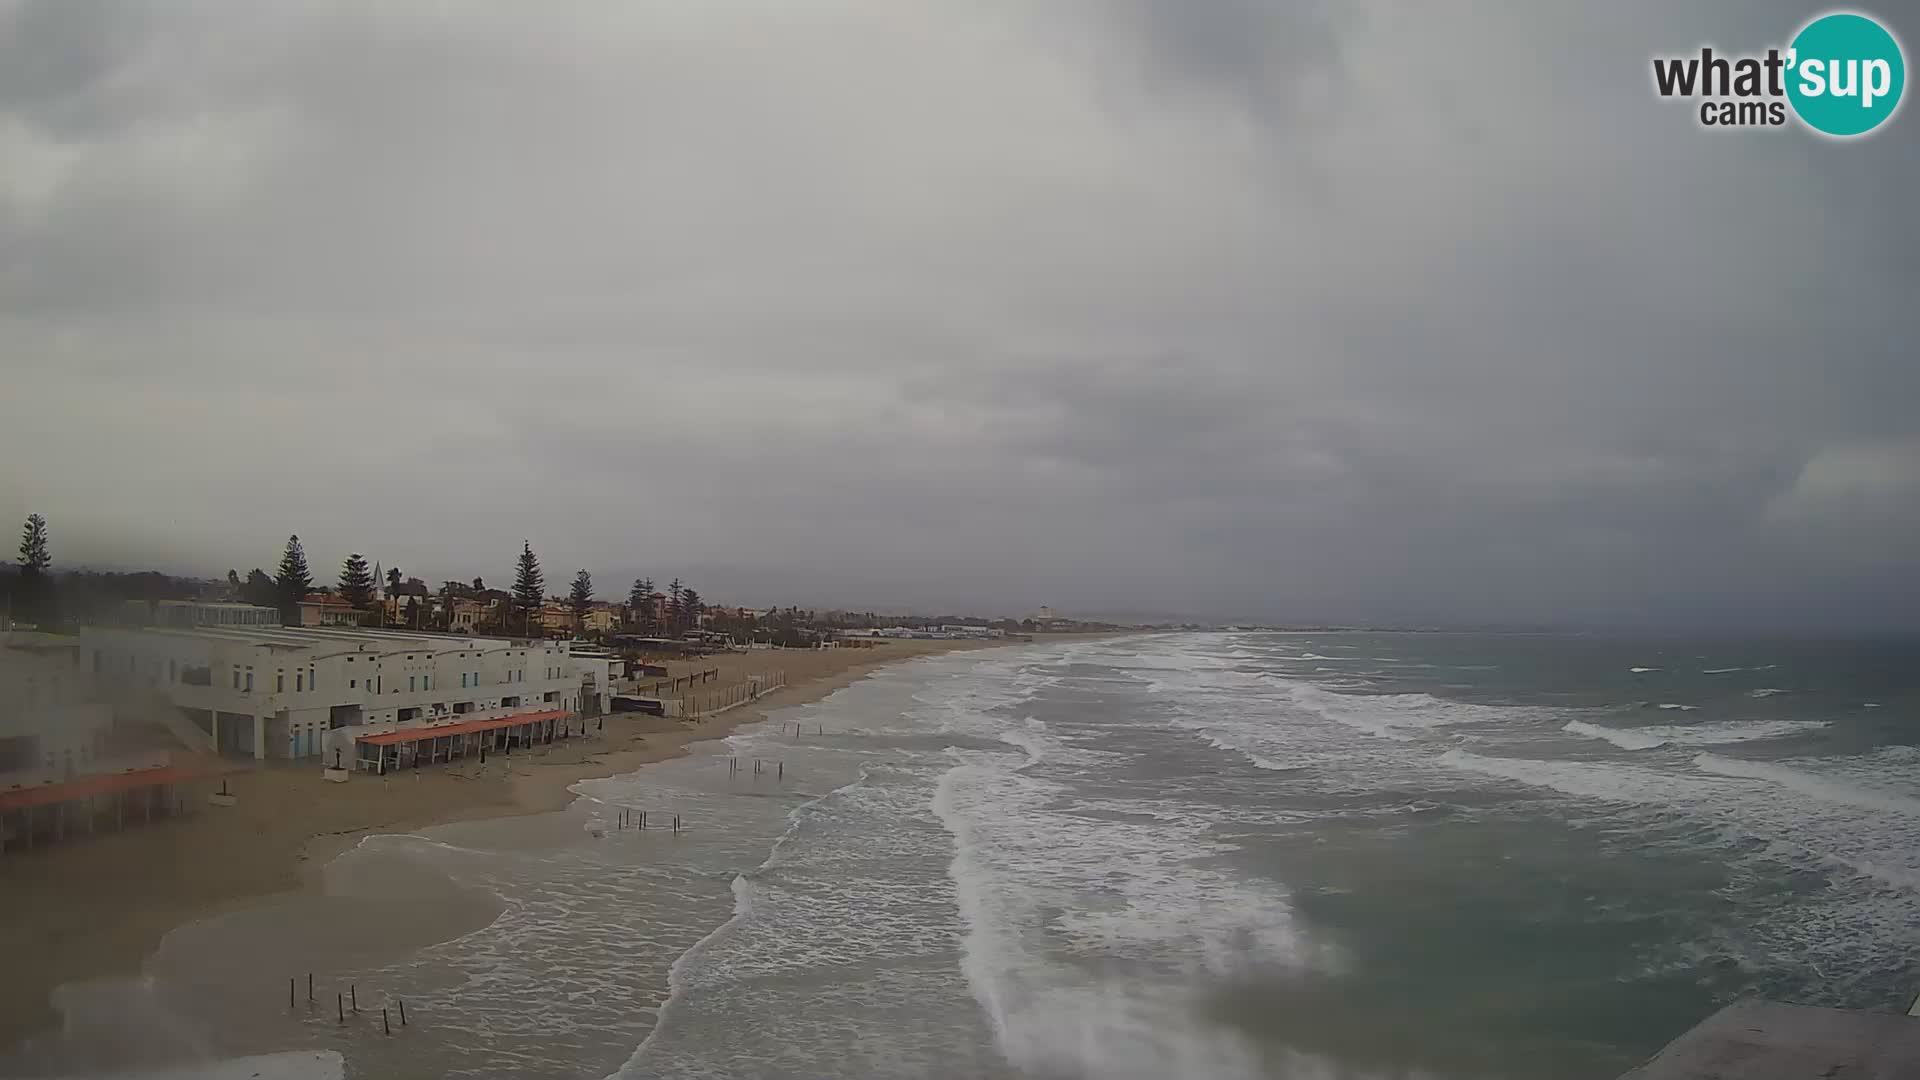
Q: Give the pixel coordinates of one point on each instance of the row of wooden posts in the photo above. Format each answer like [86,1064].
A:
[718,700]
[673,685]
[349,1001]
[779,768]
[637,819]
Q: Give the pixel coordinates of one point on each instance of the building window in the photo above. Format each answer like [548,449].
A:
[409,684]
[299,680]
[353,684]
[280,683]
[426,682]
[236,678]
[249,682]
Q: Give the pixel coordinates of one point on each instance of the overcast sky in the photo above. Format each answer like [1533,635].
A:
[1278,308]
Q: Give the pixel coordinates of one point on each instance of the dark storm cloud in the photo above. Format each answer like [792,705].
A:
[1308,310]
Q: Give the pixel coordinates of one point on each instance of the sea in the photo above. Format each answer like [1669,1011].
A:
[1229,854]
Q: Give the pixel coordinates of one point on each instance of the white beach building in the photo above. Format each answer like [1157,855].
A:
[313,692]
[51,725]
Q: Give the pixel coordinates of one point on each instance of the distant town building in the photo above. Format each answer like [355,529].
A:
[601,619]
[327,609]
[469,616]
[410,602]
[557,618]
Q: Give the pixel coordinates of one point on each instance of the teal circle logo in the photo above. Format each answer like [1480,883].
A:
[1845,74]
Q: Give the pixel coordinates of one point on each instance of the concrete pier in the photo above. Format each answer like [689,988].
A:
[1764,1040]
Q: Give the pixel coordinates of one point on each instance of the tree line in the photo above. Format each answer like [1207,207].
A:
[32,594]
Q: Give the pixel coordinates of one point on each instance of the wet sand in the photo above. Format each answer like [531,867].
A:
[100,907]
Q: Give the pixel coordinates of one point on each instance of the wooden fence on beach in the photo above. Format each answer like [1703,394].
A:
[665,688]
[731,697]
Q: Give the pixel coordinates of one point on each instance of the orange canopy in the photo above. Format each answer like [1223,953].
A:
[99,784]
[464,727]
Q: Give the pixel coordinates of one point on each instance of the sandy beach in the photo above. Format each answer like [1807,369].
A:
[100,907]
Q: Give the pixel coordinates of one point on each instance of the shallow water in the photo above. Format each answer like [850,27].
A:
[1229,855]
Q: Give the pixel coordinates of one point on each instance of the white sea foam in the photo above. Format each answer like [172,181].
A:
[680,973]
[1838,790]
[1624,738]
[1034,880]
[1714,734]
[1672,706]
[1253,756]
[1642,670]
[1845,813]
[1765,691]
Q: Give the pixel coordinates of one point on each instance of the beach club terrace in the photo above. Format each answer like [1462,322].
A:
[436,744]
[316,692]
[55,810]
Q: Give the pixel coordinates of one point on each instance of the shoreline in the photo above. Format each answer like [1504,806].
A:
[100,908]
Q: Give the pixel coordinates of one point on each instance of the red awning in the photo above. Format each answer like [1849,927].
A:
[464,727]
[99,784]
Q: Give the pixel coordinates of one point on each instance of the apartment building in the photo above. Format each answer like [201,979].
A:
[310,692]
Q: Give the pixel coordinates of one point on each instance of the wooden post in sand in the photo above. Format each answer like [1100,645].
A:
[403,1012]
[339,1006]
[643,819]
[289,993]
[783,771]
[388,1028]
[353,996]
[309,987]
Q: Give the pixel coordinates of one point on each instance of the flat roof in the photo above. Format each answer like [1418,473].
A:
[308,637]
[464,727]
[101,784]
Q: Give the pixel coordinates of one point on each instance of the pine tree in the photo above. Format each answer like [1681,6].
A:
[640,607]
[691,606]
[356,582]
[34,559]
[294,580]
[529,586]
[36,599]
[581,595]
[479,586]
[393,581]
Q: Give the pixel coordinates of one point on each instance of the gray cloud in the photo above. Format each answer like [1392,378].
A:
[1316,311]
